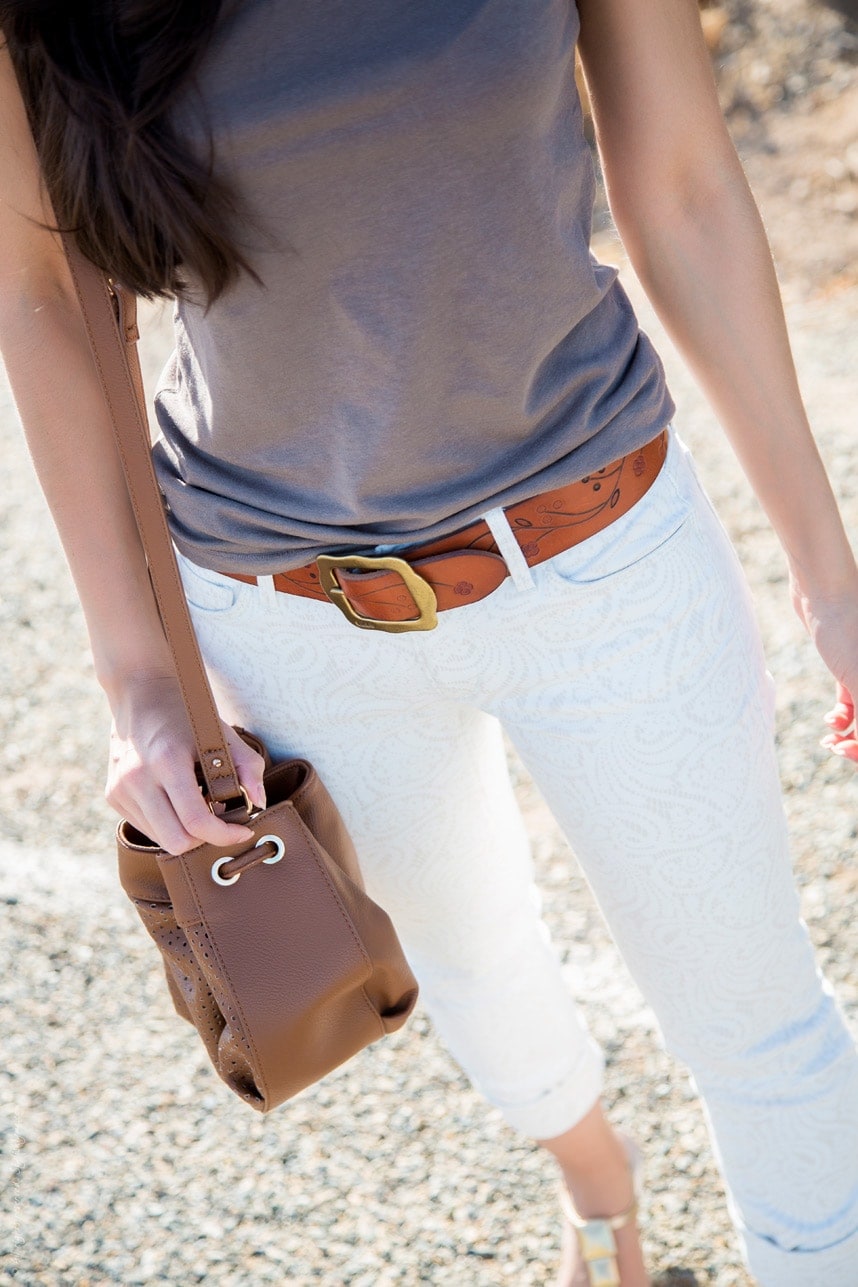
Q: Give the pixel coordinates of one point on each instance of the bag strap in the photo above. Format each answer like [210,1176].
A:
[110,317]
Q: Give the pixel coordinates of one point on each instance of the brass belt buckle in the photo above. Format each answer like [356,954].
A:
[421,591]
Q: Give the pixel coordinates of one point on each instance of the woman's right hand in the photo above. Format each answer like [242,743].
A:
[151,779]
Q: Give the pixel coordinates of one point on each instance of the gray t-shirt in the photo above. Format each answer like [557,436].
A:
[433,337]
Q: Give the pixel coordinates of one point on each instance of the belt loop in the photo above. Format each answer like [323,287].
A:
[267,593]
[519,568]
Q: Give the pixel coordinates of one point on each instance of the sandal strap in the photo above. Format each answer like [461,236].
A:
[603,1273]
[610,1222]
[597,1244]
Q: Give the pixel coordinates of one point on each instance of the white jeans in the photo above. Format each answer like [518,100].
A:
[629,674]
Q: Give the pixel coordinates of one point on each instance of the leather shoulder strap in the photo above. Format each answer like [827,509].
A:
[109,313]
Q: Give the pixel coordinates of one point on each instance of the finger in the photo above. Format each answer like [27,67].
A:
[156,818]
[199,822]
[138,799]
[249,765]
[839,718]
[846,748]
[832,740]
[843,713]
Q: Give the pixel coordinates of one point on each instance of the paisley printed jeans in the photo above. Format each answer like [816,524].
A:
[629,674]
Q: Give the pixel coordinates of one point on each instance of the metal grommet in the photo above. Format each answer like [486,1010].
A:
[217,877]
[272,840]
[263,840]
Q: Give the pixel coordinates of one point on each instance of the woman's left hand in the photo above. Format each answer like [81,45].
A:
[832,623]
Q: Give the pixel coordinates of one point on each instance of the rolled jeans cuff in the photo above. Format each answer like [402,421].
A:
[773,1266]
[565,1103]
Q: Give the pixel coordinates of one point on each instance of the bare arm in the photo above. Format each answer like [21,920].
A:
[695,238]
[50,369]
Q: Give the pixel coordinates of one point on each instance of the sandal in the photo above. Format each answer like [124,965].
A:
[596,1245]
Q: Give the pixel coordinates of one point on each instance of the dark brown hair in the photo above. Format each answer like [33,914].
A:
[99,78]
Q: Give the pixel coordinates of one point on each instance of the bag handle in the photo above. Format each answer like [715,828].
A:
[110,317]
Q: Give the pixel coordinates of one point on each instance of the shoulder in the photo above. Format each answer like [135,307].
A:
[32,253]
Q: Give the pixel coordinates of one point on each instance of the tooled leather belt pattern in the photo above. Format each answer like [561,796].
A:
[466,566]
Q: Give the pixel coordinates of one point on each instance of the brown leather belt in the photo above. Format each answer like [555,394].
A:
[404,592]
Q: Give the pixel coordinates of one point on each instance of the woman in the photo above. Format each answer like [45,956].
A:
[391,336]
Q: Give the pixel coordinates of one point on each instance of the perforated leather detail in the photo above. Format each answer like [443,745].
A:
[234,1057]
[187,982]
[190,986]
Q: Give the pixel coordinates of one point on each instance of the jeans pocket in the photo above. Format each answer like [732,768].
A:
[651,523]
[207,592]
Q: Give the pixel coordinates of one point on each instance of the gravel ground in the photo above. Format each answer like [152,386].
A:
[125,1161]
[777,56]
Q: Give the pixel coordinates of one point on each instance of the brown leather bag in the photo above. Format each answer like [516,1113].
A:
[272,949]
